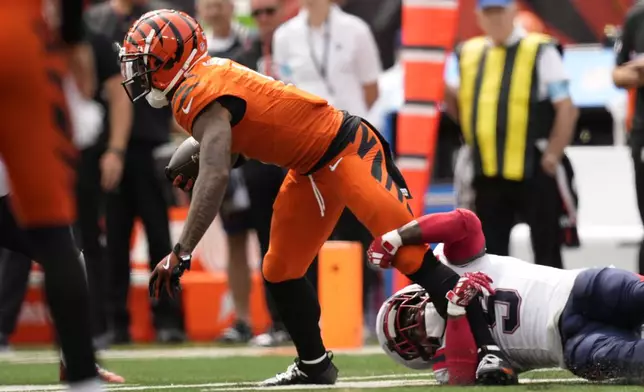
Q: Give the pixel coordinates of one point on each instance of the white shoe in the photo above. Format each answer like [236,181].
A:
[270,339]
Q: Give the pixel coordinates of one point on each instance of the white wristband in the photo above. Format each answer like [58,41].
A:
[454,310]
[393,238]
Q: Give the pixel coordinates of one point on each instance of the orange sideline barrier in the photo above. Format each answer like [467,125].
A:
[428,33]
[340,293]
[208,309]
[208,306]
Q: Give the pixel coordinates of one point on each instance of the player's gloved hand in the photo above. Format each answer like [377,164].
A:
[167,275]
[468,286]
[383,249]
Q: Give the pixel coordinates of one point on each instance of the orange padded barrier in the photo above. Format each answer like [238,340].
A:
[428,33]
[340,293]
[414,138]
[419,87]
[209,309]
[429,22]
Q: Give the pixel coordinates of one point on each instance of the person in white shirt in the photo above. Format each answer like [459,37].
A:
[587,320]
[329,53]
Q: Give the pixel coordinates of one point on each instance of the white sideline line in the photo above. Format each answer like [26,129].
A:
[344,383]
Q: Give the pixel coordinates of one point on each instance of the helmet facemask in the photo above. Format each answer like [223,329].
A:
[138,77]
[406,314]
[137,69]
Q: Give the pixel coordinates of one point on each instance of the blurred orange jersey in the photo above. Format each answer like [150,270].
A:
[282,124]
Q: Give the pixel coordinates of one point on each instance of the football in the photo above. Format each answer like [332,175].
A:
[184,161]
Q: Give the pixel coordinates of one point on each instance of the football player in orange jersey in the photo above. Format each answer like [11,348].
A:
[46,41]
[336,160]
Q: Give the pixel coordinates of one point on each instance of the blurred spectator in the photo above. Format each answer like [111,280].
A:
[268,15]
[629,73]
[140,191]
[263,181]
[332,54]
[236,219]
[100,170]
[385,19]
[228,39]
[530,120]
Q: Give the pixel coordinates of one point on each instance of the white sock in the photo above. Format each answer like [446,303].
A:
[91,385]
[315,361]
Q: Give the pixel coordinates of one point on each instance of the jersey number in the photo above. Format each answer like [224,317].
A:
[507,301]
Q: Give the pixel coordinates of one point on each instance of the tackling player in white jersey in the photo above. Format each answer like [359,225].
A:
[587,321]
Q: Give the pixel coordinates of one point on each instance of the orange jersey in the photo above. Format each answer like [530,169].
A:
[282,124]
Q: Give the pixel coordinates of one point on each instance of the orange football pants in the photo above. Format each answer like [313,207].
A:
[35,129]
[307,208]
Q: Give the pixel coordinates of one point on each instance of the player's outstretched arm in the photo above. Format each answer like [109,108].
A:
[446,227]
[212,131]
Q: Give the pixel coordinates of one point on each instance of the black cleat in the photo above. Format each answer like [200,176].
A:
[494,369]
[295,376]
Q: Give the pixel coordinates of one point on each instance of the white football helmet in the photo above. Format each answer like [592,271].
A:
[409,328]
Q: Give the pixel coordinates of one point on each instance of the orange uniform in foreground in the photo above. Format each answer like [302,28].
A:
[35,131]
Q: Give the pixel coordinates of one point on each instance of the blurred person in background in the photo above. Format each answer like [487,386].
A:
[517,124]
[100,171]
[629,73]
[385,19]
[332,54]
[228,39]
[329,53]
[263,181]
[140,192]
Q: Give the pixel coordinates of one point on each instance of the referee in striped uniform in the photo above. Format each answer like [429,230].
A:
[512,100]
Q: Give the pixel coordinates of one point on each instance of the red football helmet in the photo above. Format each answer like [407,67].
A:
[158,50]
[402,329]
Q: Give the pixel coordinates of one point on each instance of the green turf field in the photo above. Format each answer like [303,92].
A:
[236,369]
